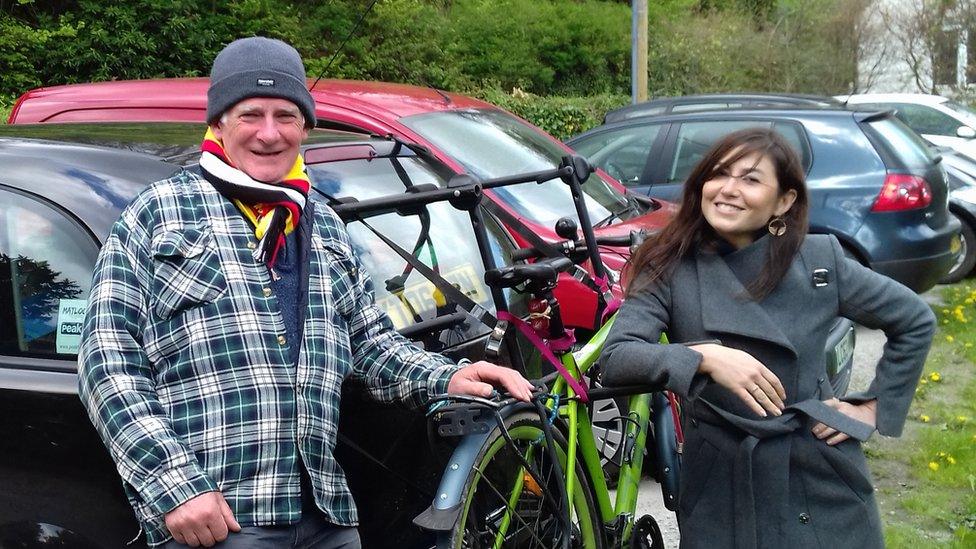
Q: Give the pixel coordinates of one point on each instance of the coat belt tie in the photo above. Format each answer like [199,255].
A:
[753,431]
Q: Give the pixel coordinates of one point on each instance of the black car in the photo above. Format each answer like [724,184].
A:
[60,192]
[717,101]
[873,183]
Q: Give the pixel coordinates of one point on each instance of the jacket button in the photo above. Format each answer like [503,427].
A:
[266,292]
[282,340]
[251,245]
[804,518]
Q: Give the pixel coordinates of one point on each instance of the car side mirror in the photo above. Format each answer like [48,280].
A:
[966,132]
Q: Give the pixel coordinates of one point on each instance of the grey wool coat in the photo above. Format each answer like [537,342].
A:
[746,481]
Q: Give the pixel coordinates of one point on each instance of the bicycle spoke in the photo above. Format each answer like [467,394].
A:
[512,512]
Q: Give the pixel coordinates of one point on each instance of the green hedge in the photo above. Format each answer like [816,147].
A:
[546,47]
[6,104]
[563,117]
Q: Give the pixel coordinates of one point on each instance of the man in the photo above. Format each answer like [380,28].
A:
[225,313]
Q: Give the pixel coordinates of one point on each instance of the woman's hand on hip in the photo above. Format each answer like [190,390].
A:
[866,412]
[746,377]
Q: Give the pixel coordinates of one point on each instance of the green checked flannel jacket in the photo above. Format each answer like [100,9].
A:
[183,365]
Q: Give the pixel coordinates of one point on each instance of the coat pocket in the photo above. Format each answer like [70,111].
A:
[186,273]
[848,462]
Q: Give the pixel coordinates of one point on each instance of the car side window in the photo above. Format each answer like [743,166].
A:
[794,134]
[621,153]
[696,138]
[405,294]
[46,263]
[926,120]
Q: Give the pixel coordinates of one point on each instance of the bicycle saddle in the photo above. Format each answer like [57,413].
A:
[542,273]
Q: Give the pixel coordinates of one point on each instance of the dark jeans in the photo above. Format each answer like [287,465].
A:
[312,532]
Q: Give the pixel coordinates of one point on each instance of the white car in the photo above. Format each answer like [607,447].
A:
[938,119]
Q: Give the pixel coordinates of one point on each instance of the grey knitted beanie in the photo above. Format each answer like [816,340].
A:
[258,67]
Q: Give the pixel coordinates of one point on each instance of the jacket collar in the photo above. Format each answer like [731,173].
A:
[724,305]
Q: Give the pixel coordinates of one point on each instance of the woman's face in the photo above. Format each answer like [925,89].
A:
[743,199]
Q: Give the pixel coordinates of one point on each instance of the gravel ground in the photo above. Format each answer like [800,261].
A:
[867,351]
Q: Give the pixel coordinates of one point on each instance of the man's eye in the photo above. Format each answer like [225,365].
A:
[249,116]
[751,179]
[287,117]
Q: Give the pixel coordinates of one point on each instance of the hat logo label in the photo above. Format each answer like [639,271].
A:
[268,82]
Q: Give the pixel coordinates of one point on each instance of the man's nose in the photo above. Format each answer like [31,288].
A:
[268,131]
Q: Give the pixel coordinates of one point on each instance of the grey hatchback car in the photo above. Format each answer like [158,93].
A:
[873,183]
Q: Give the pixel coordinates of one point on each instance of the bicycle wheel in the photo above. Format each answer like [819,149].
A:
[504,506]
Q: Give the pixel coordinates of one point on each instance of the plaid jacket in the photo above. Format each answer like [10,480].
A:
[183,363]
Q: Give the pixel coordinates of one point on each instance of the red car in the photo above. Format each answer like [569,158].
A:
[466,134]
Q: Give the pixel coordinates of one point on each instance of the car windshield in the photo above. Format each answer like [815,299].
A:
[490,143]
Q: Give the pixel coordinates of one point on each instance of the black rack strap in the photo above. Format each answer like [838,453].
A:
[479,313]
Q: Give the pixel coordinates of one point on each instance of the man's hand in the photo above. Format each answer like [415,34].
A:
[866,412]
[478,379]
[203,520]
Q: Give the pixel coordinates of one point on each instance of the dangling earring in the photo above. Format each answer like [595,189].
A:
[777,226]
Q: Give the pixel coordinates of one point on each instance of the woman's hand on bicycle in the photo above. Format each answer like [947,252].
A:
[746,377]
[866,412]
[480,378]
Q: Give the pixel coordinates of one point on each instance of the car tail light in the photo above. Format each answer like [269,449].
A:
[903,192]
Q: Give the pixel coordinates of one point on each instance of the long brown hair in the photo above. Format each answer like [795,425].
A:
[689,230]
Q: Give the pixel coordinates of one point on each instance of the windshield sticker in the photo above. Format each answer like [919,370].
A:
[423,296]
[71,313]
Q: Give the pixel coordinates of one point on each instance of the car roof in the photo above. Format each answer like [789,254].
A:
[95,170]
[919,98]
[795,112]
[781,98]
[57,103]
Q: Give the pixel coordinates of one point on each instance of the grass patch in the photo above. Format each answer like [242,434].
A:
[926,481]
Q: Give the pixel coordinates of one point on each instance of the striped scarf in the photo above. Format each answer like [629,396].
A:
[272,208]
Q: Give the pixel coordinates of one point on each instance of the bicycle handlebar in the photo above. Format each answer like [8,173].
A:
[568,247]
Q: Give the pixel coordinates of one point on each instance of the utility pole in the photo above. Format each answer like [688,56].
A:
[638,51]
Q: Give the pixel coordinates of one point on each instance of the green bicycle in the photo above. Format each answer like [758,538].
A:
[530,474]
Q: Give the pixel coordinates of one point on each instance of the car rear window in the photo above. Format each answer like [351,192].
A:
[901,145]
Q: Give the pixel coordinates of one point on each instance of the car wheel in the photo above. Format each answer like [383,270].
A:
[967,255]
[608,430]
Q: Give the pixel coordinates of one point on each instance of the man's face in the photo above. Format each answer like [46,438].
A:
[261,136]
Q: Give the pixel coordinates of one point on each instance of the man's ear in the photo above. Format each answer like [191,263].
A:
[217,130]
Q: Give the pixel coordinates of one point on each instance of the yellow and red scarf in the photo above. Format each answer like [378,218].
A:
[272,208]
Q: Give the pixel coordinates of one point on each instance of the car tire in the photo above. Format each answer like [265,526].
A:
[967,255]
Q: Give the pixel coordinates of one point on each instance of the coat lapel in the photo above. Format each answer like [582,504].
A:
[724,311]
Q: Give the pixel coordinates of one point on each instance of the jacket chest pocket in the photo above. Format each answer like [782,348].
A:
[340,274]
[186,273]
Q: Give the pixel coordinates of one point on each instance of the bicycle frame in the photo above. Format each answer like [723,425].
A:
[581,439]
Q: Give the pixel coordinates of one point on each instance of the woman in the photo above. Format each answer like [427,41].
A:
[771,458]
